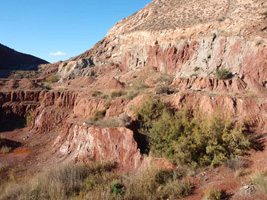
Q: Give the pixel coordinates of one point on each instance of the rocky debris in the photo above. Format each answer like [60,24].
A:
[247,189]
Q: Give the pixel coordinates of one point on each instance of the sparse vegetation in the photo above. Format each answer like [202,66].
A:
[29,118]
[196,69]
[98,114]
[188,137]
[259,179]
[106,122]
[97,181]
[52,79]
[96,93]
[117,93]
[162,89]
[68,68]
[131,94]
[213,194]
[236,164]
[223,74]
[5,149]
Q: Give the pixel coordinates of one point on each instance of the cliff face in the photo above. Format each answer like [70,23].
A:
[179,36]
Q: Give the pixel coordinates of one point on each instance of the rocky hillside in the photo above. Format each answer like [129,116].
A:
[184,39]
[11,59]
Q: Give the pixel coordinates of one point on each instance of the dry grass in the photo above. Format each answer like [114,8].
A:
[97,181]
[60,183]
[5,149]
[259,179]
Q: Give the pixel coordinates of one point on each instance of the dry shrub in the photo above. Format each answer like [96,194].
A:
[117,93]
[5,149]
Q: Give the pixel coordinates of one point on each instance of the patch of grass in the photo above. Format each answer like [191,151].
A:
[97,181]
[212,194]
[156,184]
[98,114]
[131,94]
[117,93]
[251,93]
[68,68]
[52,79]
[5,149]
[223,74]
[29,118]
[259,179]
[106,122]
[165,79]
[96,93]
[162,89]
[64,182]
[236,164]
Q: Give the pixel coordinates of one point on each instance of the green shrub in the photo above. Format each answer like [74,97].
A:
[149,112]
[213,194]
[117,189]
[223,74]
[52,79]
[29,118]
[189,137]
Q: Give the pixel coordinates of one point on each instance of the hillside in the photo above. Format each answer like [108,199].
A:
[11,60]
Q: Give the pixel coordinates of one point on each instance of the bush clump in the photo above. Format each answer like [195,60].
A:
[117,93]
[223,74]
[162,89]
[188,137]
[52,79]
[213,194]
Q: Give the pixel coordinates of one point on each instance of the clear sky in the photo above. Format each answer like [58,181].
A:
[59,29]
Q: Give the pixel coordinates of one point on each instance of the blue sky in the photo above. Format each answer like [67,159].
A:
[51,28]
